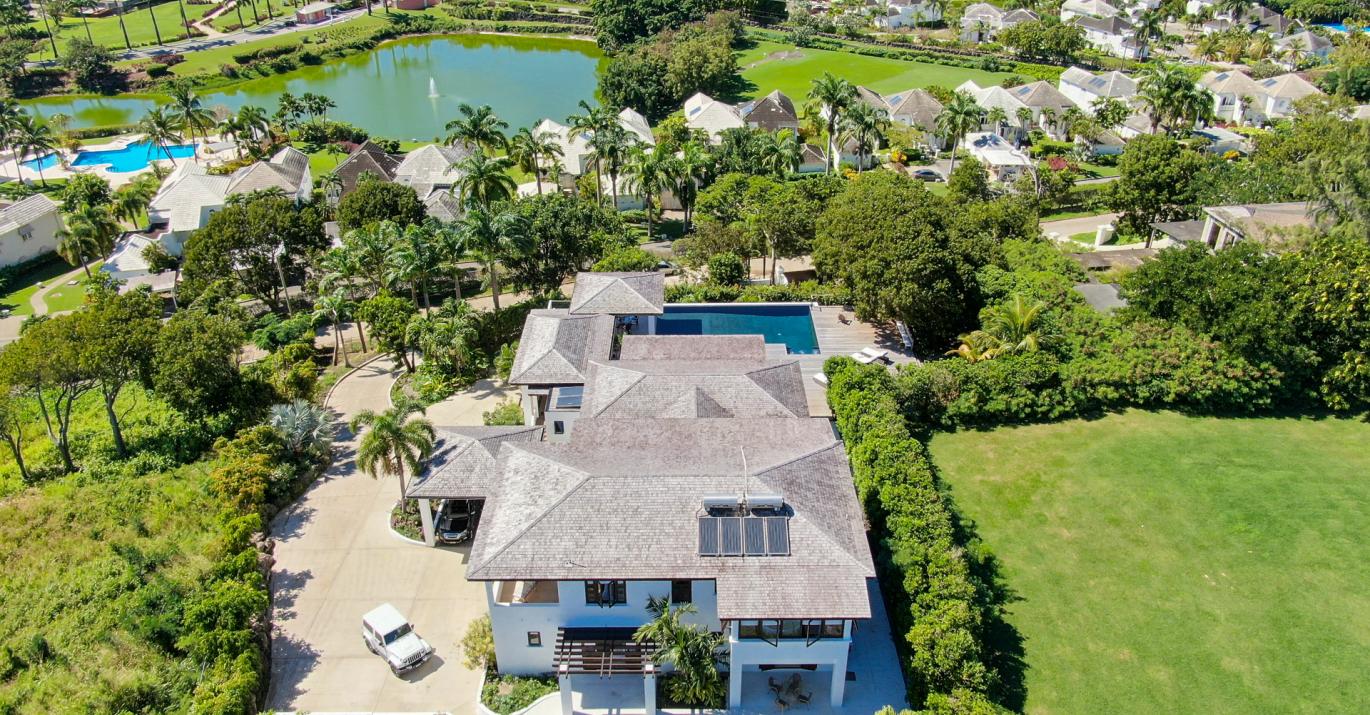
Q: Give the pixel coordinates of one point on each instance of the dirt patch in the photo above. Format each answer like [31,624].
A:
[777,56]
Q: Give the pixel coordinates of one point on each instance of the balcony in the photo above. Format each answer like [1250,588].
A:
[519,593]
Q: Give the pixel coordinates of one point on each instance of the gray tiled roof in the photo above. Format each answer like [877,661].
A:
[463,463]
[367,158]
[917,107]
[443,206]
[772,113]
[431,166]
[557,347]
[694,388]
[692,347]
[621,501]
[619,294]
[25,211]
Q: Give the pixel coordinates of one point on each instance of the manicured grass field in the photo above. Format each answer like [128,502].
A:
[70,297]
[793,76]
[105,30]
[16,299]
[1174,564]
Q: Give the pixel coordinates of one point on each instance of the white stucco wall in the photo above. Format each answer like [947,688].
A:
[30,241]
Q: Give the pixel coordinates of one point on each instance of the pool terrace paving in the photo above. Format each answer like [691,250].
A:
[838,338]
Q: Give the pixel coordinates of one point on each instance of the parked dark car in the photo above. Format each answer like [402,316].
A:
[928,175]
[456,521]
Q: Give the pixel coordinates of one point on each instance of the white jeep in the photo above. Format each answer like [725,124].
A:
[388,634]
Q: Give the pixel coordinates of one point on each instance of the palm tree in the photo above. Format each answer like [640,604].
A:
[451,242]
[394,441]
[477,126]
[833,95]
[188,112]
[997,116]
[959,116]
[1150,26]
[332,186]
[492,236]
[89,234]
[781,153]
[610,146]
[10,112]
[230,128]
[132,199]
[1024,117]
[1208,47]
[82,6]
[160,128]
[696,168]
[185,22]
[1234,9]
[1261,46]
[334,308]
[1160,90]
[411,260]
[690,649]
[288,110]
[155,30]
[33,137]
[1009,329]
[590,123]
[865,125]
[484,180]
[649,173]
[255,122]
[528,146]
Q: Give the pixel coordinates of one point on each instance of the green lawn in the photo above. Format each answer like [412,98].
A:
[69,297]
[1169,564]
[105,30]
[793,76]
[203,61]
[18,292]
[226,21]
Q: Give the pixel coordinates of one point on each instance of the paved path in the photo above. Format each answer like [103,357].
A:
[336,559]
[1071,226]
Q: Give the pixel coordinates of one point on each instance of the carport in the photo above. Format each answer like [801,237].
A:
[462,468]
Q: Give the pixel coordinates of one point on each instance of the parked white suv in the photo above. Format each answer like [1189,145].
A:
[388,634]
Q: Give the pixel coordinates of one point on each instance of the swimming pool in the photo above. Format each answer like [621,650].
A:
[780,323]
[1339,27]
[134,157]
[47,161]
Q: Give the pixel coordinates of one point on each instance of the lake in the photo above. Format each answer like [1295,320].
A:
[386,90]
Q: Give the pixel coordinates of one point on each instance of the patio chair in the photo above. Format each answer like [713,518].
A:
[821,379]
[870,355]
[783,704]
[793,683]
[905,336]
[774,686]
[804,698]
[843,319]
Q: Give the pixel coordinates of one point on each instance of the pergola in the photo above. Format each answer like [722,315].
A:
[603,652]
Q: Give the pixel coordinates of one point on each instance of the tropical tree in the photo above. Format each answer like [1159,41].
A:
[231,128]
[865,126]
[696,168]
[781,153]
[484,180]
[187,110]
[832,96]
[477,126]
[446,337]
[451,244]
[693,653]
[82,7]
[1261,47]
[10,112]
[89,234]
[334,308]
[1149,27]
[529,146]
[254,122]
[492,236]
[132,199]
[1016,326]
[160,128]
[307,429]
[997,116]
[591,122]
[155,30]
[959,116]
[412,259]
[32,137]
[1234,9]
[315,105]
[1171,98]
[609,147]
[650,173]
[1110,112]
[394,441]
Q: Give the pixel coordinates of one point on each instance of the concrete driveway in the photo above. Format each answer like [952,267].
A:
[336,559]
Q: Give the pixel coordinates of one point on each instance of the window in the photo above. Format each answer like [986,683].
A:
[558,427]
[682,592]
[772,631]
[534,639]
[606,593]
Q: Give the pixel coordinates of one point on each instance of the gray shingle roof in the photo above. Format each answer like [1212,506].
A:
[915,106]
[619,294]
[367,158]
[557,347]
[463,463]
[431,166]
[621,501]
[692,347]
[694,388]
[443,206]
[772,113]
[26,211]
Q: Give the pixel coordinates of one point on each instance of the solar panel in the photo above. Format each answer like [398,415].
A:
[778,536]
[708,536]
[754,529]
[730,528]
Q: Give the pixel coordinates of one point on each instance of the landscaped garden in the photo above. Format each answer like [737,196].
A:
[1164,563]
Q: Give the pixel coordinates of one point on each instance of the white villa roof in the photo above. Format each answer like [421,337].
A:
[1104,84]
[1041,94]
[430,166]
[710,115]
[637,125]
[991,97]
[1094,8]
[1259,221]
[127,256]
[1287,86]
[618,294]
[286,170]
[993,149]
[1230,82]
[916,106]
[1304,41]
[186,192]
[25,211]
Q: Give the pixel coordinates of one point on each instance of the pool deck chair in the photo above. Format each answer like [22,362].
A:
[904,335]
[821,379]
[870,355]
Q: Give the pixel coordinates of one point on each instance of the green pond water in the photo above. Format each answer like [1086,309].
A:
[386,91]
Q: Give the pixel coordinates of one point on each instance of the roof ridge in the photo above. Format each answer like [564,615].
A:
[767,369]
[640,377]
[585,477]
[819,524]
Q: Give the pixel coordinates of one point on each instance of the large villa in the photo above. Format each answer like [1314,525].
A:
[667,460]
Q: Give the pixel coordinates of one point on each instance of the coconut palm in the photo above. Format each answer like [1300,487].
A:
[446,337]
[1149,27]
[1234,9]
[394,441]
[1261,47]
[89,234]
[1208,47]
[306,428]
[160,128]
[82,6]
[484,180]
[693,653]
[451,241]
[588,124]
[334,308]
[529,146]
[959,116]
[1163,91]
[832,95]
[650,173]
[477,126]
[997,116]
[609,147]
[33,137]
[412,259]
[188,112]
[1008,329]
[696,169]
[492,236]
[230,128]
[865,126]
[132,199]
[254,122]
[9,123]
[155,30]
[781,153]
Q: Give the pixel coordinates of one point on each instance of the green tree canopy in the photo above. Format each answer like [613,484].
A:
[253,242]
[375,201]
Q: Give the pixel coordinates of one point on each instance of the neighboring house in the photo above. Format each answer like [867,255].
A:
[981,21]
[288,171]
[772,113]
[1279,94]
[184,203]
[1084,88]
[1000,159]
[431,168]
[918,109]
[814,160]
[315,13]
[575,146]
[1261,18]
[443,205]
[996,97]
[127,264]
[1307,45]
[1104,143]
[1112,35]
[1235,96]
[711,116]
[1223,226]
[28,229]
[695,475]
[1071,9]
[368,158]
[1222,141]
[1047,103]
[908,13]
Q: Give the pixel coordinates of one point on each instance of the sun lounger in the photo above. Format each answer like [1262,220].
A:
[821,379]
[904,335]
[870,355]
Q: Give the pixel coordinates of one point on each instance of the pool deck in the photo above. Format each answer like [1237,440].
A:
[836,338]
[116,179]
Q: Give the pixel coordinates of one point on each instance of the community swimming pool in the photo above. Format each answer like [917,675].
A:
[134,157]
[789,324]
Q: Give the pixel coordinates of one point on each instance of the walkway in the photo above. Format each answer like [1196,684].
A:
[336,559]
[1071,226]
[9,327]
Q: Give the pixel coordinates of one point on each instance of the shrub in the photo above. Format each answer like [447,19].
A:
[727,269]
[478,645]
[504,361]
[505,694]
[626,259]
[507,413]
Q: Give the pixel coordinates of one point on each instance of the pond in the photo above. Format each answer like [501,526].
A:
[387,91]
